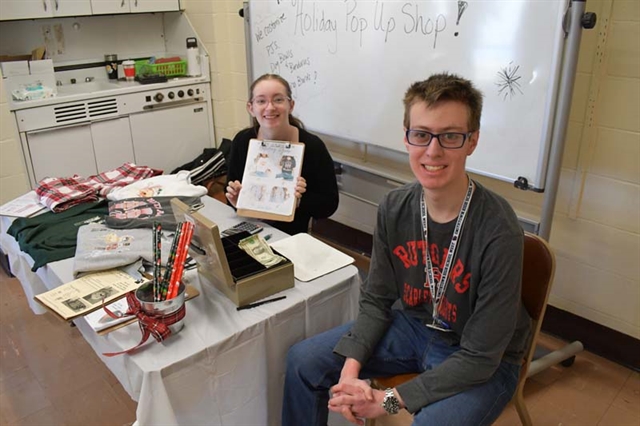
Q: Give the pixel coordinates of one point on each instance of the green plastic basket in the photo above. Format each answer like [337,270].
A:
[170,69]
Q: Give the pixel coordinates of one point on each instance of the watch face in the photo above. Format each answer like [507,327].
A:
[390,403]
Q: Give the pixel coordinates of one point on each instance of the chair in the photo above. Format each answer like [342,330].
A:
[537,274]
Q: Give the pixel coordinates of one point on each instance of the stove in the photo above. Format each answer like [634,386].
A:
[159,125]
[109,104]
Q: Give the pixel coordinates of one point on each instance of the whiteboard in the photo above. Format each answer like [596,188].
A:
[349,63]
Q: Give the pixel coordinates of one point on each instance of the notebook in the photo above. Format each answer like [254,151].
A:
[311,257]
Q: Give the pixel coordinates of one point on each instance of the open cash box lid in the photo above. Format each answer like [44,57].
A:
[226,266]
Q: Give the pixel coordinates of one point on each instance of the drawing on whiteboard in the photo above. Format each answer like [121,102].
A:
[508,84]
[462,6]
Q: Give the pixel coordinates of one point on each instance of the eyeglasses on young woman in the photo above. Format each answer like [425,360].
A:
[276,101]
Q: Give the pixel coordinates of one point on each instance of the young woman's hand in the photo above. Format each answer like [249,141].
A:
[301,188]
[233,190]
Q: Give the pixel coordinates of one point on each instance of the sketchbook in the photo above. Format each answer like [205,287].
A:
[311,257]
[269,181]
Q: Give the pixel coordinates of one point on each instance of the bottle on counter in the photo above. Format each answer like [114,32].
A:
[193,57]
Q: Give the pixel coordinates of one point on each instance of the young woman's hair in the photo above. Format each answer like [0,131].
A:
[292,120]
[445,87]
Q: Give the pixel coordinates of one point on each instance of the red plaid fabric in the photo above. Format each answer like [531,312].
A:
[122,176]
[60,194]
[150,325]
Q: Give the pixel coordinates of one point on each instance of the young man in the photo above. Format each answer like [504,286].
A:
[451,252]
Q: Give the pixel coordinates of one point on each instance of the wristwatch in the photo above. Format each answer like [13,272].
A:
[390,403]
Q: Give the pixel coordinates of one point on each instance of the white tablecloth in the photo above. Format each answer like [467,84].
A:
[225,367]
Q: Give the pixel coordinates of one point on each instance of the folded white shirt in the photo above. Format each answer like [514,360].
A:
[175,185]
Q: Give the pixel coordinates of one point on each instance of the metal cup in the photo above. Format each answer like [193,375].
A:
[144,294]
[111,64]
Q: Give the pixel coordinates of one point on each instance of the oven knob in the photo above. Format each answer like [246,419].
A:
[158,97]
[190,92]
[180,94]
[171,95]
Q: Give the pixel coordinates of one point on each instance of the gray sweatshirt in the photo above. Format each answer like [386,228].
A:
[482,301]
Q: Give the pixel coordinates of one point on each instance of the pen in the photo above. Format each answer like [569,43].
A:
[253,305]
[267,237]
[197,249]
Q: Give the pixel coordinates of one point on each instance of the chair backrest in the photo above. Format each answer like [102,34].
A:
[538,269]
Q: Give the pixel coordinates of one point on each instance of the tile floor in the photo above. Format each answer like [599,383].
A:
[49,375]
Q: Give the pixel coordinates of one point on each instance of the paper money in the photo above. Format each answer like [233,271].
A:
[258,248]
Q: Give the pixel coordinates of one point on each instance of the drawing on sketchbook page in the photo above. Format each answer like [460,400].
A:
[270,177]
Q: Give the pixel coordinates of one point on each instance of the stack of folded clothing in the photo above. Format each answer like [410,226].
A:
[119,229]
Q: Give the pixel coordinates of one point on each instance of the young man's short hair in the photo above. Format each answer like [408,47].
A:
[445,87]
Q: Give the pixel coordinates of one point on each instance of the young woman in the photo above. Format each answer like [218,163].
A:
[270,104]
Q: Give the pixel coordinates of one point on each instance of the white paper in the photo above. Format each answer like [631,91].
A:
[99,320]
[311,257]
[270,175]
[23,206]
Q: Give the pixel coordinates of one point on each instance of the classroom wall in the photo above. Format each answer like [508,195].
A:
[13,174]
[221,30]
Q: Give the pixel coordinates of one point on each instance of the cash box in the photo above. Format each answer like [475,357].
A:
[226,266]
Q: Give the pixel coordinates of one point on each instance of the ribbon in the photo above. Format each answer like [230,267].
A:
[150,325]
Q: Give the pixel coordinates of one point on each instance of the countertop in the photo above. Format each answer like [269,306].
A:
[102,88]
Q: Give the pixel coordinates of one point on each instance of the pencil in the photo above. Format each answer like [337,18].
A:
[172,257]
[181,257]
[157,259]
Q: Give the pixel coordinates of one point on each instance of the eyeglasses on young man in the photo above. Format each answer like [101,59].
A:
[448,140]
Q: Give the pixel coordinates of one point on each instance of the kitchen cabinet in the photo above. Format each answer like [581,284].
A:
[112,143]
[167,138]
[140,6]
[70,7]
[24,9]
[101,7]
[62,152]
[82,149]
[32,9]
